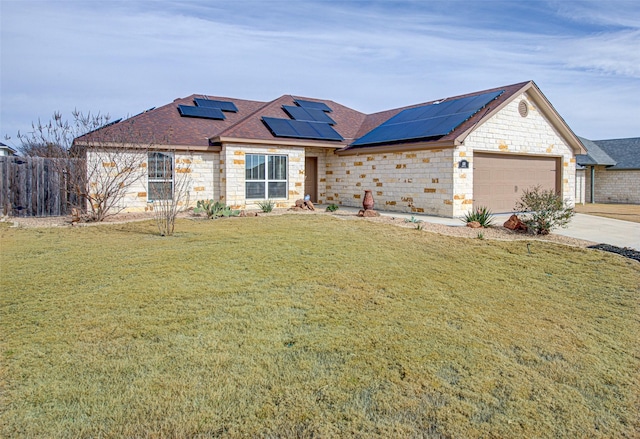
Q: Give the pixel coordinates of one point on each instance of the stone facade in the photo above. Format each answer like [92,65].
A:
[431,182]
[613,186]
[419,181]
[198,168]
[232,171]
[507,132]
[425,181]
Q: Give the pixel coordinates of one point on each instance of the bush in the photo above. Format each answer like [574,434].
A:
[332,207]
[214,210]
[544,210]
[481,214]
[267,205]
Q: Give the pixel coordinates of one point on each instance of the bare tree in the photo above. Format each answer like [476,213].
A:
[114,157]
[171,196]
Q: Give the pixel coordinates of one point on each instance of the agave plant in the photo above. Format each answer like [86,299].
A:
[480,214]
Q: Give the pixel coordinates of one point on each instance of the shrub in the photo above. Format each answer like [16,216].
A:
[481,214]
[215,209]
[332,207]
[544,210]
[267,205]
[413,219]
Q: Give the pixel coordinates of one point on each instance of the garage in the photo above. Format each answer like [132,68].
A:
[499,179]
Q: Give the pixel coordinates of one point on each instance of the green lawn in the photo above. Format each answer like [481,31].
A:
[312,326]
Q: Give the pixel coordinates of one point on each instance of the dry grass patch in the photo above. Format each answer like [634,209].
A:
[626,212]
[309,326]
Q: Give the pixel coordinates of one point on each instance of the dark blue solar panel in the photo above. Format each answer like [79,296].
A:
[301,129]
[203,112]
[313,105]
[309,114]
[434,120]
[211,103]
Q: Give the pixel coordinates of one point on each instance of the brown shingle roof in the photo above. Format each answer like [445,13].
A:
[347,122]
[165,125]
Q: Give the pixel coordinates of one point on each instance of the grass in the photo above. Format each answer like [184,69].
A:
[626,212]
[312,326]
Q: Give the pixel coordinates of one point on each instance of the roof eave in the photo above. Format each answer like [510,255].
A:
[275,142]
[402,147]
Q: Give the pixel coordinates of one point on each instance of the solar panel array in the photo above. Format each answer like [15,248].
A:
[308,114]
[212,103]
[428,121]
[201,112]
[313,105]
[301,129]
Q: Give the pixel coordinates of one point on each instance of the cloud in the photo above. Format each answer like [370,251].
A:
[124,57]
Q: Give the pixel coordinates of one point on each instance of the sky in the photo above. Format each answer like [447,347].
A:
[123,57]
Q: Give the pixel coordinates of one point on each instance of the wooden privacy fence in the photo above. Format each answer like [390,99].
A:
[37,186]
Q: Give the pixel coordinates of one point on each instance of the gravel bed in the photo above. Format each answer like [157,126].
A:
[493,233]
[626,251]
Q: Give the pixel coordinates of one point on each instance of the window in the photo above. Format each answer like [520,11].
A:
[266,176]
[160,167]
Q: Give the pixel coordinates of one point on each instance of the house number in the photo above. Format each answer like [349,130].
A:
[463,164]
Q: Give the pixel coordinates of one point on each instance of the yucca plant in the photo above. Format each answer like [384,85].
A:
[266,205]
[480,214]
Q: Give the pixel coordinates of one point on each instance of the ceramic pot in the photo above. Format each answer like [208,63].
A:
[367,203]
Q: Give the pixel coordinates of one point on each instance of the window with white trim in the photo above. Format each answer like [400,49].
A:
[160,183]
[266,176]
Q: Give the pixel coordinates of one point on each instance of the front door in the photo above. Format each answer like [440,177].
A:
[311,178]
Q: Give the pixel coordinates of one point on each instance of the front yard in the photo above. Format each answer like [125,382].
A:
[312,326]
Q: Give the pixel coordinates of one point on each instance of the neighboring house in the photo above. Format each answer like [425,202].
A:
[609,172]
[441,157]
[6,150]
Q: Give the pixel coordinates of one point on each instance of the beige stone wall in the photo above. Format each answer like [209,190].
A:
[614,186]
[232,166]
[198,168]
[509,133]
[581,186]
[417,181]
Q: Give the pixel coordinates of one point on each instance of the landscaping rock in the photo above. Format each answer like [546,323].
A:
[474,224]
[369,213]
[626,251]
[303,205]
[514,223]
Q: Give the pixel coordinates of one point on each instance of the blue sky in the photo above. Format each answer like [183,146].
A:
[122,57]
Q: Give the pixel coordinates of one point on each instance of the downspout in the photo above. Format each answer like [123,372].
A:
[593,184]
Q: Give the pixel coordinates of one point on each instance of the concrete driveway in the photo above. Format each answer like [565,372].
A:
[603,231]
[598,229]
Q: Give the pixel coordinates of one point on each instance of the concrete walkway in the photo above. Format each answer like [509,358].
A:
[588,227]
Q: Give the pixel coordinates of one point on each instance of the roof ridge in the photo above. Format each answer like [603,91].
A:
[244,119]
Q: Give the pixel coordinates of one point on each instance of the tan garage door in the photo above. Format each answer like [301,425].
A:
[498,180]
